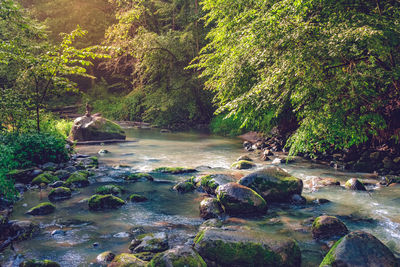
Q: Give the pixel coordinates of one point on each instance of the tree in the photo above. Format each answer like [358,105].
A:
[333,63]
[155,40]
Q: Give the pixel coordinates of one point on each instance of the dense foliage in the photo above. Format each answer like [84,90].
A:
[154,41]
[333,63]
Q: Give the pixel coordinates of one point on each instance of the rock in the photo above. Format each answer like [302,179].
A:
[273,184]
[208,184]
[375,155]
[49,166]
[315,182]
[58,232]
[355,184]
[95,128]
[103,202]
[239,199]
[24,229]
[127,260]
[103,151]
[359,249]
[243,164]
[39,263]
[62,174]
[210,208]
[244,157]
[42,209]
[179,256]
[265,158]
[44,178]
[136,198]
[185,186]
[297,200]
[70,169]
[57,184]
[268,152]
[21,176]
[105,257]
[157,242]
[77,179]
[109,189]
[95,244]
[165,131]
[277,161]
[237,248]
[135,177]
[211,223]
[175,170]
[145,256]
[328,227]
[59,193]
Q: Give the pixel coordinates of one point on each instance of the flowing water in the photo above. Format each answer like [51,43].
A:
[377,211]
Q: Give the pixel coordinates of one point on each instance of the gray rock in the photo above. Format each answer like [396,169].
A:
[156,242]
[210,208]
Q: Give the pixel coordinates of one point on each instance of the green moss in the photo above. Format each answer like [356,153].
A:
[243,164]
[208,183]
[174,170]
[330,258]
[77,179]
[177,261]
[44,178]
[145,256]
[185,186]
[137,198]
[37,263]
[199,237]
[138,176]
[101,202]
[109,189]
[127,260]
[42,209]
[95,162]
[59,193]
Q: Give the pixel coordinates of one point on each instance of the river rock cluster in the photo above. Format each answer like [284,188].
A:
[221,240]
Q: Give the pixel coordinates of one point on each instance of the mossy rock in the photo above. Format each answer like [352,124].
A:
[94,163]
[42,209]
[209,184]
[44,178]
[181,256]
[127,260]
[109,189]
[273,184]
[244,247]
[145,256]
[39,263]
[174,170]
[328,227]
[21,175]
[237,199]
[105,257]
[355,184]
[185,186]
[77,179]
[95,128]
[210,208]
[359,248]
[243,164]
[136,198]
[59,193]
[62,174]
[104,202]
[24,230]
[153,242]
[135,177]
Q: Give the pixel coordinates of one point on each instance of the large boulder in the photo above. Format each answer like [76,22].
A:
[39,263]
[327,227]
[355,184]
[232,247]
[178,256]
[273,184]
[238,199]
[94,128]
[359,249]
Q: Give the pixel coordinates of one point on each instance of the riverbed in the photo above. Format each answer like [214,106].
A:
[89,233]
